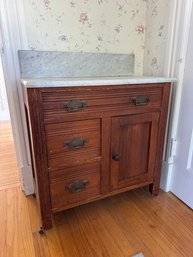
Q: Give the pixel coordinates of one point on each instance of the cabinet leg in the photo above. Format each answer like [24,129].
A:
[153,189]
[47,222]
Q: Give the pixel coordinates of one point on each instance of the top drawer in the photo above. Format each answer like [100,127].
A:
[71,103]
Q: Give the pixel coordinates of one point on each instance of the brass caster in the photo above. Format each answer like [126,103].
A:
[41,231]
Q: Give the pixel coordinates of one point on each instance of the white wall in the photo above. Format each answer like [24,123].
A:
[12,40]
[182,173]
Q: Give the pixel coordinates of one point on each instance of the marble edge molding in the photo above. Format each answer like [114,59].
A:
[68,82]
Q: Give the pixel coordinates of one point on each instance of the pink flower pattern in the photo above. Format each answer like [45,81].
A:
[46,2]
[140,29]
[154,62]
[83,17]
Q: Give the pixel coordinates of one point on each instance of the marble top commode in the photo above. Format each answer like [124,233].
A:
[95,81]
[64,69]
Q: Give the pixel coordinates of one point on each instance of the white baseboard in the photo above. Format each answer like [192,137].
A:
[166,176]
[27,180]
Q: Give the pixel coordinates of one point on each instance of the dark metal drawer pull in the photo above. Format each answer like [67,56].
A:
[141,100]
[76,143]
[74,105]
[77,186]
[116,156]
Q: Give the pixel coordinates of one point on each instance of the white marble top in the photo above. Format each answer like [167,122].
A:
[93,81]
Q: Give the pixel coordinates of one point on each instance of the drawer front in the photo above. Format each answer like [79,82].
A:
[66,188]
[73,143]
[75,103]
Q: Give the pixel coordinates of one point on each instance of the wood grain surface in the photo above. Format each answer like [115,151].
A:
[119,226]
[9,173]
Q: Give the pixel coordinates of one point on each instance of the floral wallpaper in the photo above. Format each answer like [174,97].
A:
[157,19]
[106,26]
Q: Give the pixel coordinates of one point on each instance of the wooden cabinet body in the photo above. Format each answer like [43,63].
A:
[91,142]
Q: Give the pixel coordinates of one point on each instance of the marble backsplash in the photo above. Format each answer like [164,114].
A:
[44,64]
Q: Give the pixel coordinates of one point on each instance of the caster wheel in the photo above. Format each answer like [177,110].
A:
[41,231]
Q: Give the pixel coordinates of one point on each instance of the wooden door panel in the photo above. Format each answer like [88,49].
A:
[135,154]
[134,138]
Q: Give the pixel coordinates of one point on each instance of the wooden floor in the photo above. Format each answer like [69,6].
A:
[9,174]
[119,226]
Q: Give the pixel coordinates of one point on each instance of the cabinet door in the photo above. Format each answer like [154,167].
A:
[133,149]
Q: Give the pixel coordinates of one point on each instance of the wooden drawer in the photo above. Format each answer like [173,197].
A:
[73,143]
[59,104]
[68,188]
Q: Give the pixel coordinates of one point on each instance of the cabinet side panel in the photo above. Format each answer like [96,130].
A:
[154,188]
[39,154]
